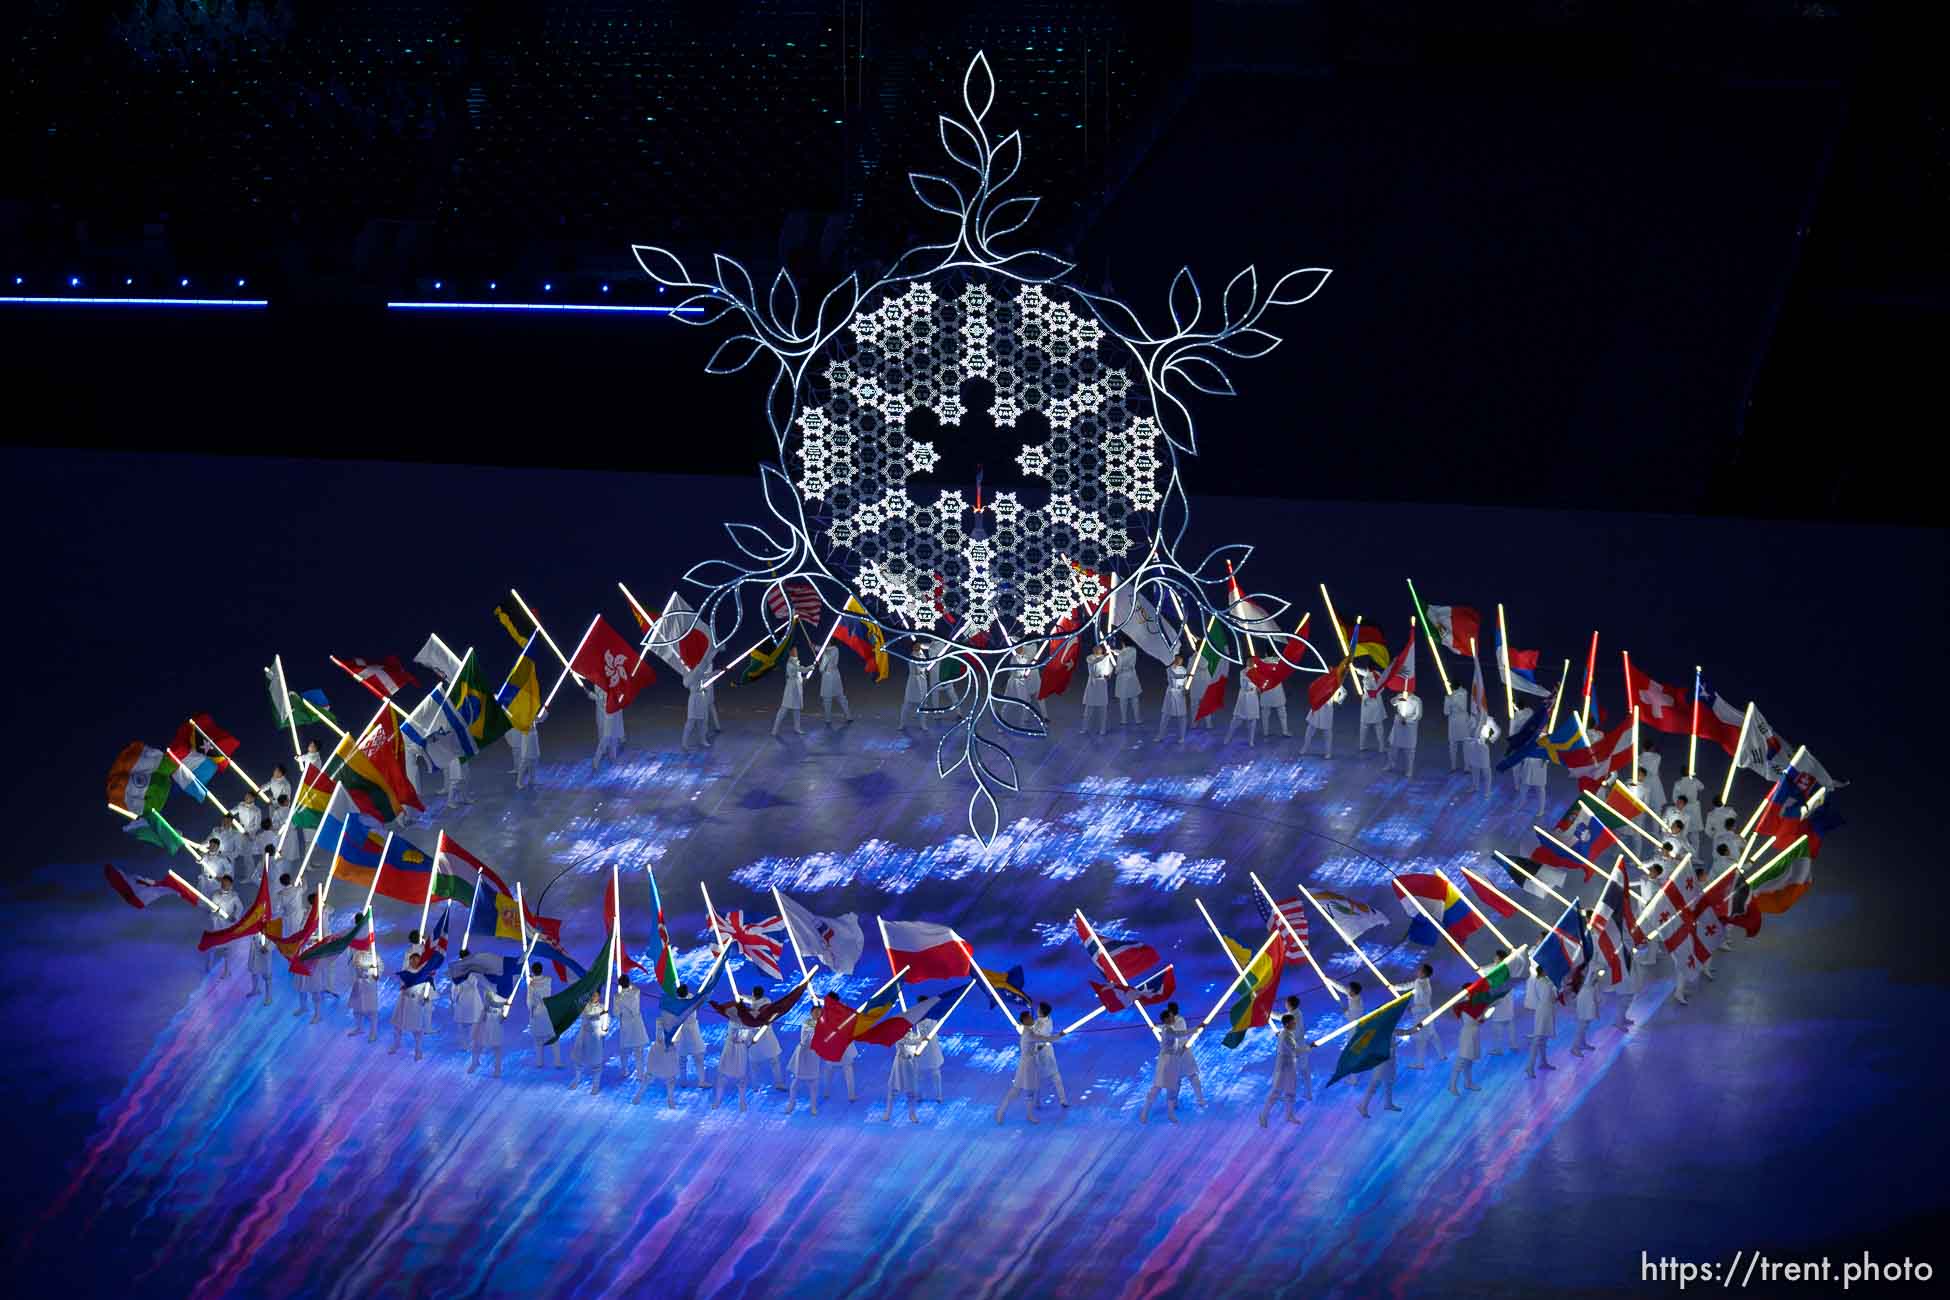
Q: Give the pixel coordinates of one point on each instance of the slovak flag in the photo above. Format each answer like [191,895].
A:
[929,951]
[606,659]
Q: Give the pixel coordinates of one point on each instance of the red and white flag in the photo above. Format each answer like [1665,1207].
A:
[929,951]
[794,599]
[1661,707]
[1152,990]
[606,659]
[1401,673]
[678,637]
[382,677]
[1455,627]
[1295,913]
[140,891]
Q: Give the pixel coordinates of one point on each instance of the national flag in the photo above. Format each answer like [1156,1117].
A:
[1269,671]
[1542,877]
[765,656]
[1253,1007]
[1120,960]
[1150,991]
[201,735]
[757,939]
[1787,804]
[486,721]
[564,964]
[1779,884]
[384,677]
[1613,928]
[334,944]
[1563,950]
[520,697]
[140,777]
[1353,916]
[500,970]
[1401,673]
[1696,931]
[299,708]
[1455,627]
[496,899]
[1563,742]
[606,659]
[1719,720]
[1492,898]
[427,969]
[623,958]
[438,731]
[893,1026]
[1609,754]
[863,637]
[1322,689]
[140,891]
[1063,651]
[1734,902]
[290,946]
[437,659]
[1371,1041]
[795,598]
[678,637]
[1442,901]
[373,772]
[1295,914]
[836,942]
[1213,667]
[1009,984]
[838,1026]
[772,1011]
[929,951]
[565,1008]
[1661,707]
[312,798]
[520,627]
[152,828]
[196,762]
[1519,667]
[1485,991]
[1133,615]
[250,923]
[1366,641]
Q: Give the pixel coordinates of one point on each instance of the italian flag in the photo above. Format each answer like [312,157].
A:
[1212,662]
[140,778]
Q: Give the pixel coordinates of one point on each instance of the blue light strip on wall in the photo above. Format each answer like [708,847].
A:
[535,306]
[135,302]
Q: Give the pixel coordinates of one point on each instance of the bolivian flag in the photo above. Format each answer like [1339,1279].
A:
[313,798]
[521,695]
[1254,1005]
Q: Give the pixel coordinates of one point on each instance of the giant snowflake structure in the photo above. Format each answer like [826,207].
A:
[962,355]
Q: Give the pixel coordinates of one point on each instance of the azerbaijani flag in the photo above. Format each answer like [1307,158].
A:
[1441,900]
[521,695]
[1213,663]
[1490,987]
[1254,1005]
[374,771]
[140,777]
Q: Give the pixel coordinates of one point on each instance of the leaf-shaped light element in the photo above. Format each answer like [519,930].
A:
[757,543]
[1248,342]
[1004,160]
[978,87]
[1295,287]
[922,260]
[705,308]
[1184,300]
[734,354]
[780,495]
[1203,374]
[1035,266]
[714,573]
[836,308]
[662,265]
[943,766]
[1118,318]
[960,144]
[1241,293]
[785,304]
[988,754]
[1008,216]
[984,816]
[735,280]
[780,402]
[939,193]
[1212,569]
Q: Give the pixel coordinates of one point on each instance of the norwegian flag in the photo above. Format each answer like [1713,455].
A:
[795,599]
[1119,960]
[1296,916]
[1116,997]
[757,940]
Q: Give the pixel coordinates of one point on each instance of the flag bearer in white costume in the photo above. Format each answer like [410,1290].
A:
[1175,1063]
[609,729]
[765,1041]
[831,686]
[540,986]
[1648,788]
[660,1061]
[1402,733]
[734,1062]
[1286,1069]
[487,1030]
[687,1039]
[1178,685]
[527,749]
[1031,1043]
[1098,667]
[1046,1054]
[632,1038]
[1469,1050]
[259,965]
[805,1062]
[1532,774]
[587,1053]
[1419,1007]
[1540,999]
[1025,679]
[1128,689]
[904,1073]
[366,973]
[1383,1077]
[1693,791]
[1503,1013]
[1587,1010]
[469,1004]
[1321,721]
[1476,753]
[1304,1066]
[1245,708]
[1456,710]
[214,865]
[228,908]
[697,708]
[413,1013]
[920,684]
[794,699]
[1374,711]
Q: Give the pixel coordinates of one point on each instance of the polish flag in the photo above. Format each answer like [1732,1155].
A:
[930,952]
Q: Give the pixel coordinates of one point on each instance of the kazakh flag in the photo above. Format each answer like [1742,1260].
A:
[766,657]
[1254,1005]
[521,695]
[1372,1040]
[486,720]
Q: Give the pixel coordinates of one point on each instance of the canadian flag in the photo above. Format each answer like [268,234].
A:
[606,659]
[1661,707]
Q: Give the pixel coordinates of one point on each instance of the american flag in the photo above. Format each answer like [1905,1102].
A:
[794,599]
[756,939]
[1296,916]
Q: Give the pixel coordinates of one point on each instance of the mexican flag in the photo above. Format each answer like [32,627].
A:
[1453,626]
[1212,666]
[140,778]
[1254,1005]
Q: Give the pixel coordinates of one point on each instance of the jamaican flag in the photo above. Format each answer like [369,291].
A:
[767,656]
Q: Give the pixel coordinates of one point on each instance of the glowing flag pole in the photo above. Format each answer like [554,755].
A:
[1460,994]
[1083,1020]
[949,1012]
[1659,893]
[1334,990]
[982,975]
[1638,773]
[1561,846]
[643,617]
[284,697]
[1335,619]
[1651,936]
[1482,883]
[527,950]
[1351,1025]
[1739,751]
[372,887]
[1507,861]
[1639,830]
[1590,672]
[1550,728]
[717,933]
[1223,945]
[194,890]
[1761,807]
[615,937]
[426,904]
[345,824]
[538,626]
[881,921]
[1692,728]
[1429,916]
[1091,935]
[1308,894]
[1503,654]
[784,915]
[305,782]
[1237,980]
[748,653]
[568,672]
[1435,646]
[467,930]
[1480,914]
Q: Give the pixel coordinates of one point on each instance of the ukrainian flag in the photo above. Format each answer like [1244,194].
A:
[521,695]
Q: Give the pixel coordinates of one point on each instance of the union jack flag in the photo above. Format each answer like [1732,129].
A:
[794,599]
[1296,916]
[756,939]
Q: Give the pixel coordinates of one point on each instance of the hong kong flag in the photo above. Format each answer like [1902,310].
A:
[1661,707]
[608,660]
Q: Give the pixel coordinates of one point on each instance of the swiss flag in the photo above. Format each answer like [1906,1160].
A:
[1661,707]
[607,660]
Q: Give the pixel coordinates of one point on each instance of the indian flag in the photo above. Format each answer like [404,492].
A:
[140,778]
[1780,884]
[1254,1005]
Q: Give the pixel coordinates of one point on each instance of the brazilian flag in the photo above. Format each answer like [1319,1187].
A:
[486,720]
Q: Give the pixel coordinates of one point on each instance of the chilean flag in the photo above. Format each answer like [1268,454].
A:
[929,951]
